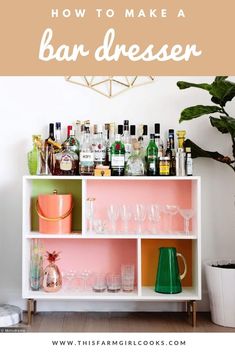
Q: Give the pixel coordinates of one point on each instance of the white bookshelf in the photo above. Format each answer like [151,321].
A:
[143,292]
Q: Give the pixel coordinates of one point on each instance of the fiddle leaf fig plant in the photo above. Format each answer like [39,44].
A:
[221,91]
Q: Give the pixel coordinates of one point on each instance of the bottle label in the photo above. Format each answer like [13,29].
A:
[164,170]
[99,154]
[87,158]
[66,163]
[127,151]
[189,167]
[118,161]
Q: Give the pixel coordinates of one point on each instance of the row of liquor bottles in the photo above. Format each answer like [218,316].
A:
[109,150]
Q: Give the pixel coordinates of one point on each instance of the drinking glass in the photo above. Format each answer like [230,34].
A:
[84,276]
[128,277]
[171,210]
[70,276]
[113,214]
[90,213]
[139,216]
[187,214]
[113,282]
[125,213]
[99,284]
[154,216]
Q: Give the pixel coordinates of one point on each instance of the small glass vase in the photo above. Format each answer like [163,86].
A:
[33,156]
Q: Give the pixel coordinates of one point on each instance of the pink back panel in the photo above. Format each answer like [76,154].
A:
[95,255]
[130,192]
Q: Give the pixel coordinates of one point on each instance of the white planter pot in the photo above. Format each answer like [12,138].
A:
[221,288]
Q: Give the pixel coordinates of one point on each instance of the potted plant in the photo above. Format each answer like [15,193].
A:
[220,275]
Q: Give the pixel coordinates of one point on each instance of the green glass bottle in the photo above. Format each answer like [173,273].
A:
[117,157]
[33,156]
[151,156]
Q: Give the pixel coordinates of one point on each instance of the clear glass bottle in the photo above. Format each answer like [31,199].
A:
[126,139]
[86,164]
[188,162]
[151,157]
[66,162]
[58,132]
[99,147]
[117,157]
[135,165]
[33,156]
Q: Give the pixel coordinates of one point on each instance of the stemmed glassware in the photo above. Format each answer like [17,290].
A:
[154,216]
[171,210]
[139,216]
[125,213]
[90,213]
[84,275]
[70,276]
[187,214]
[113,214]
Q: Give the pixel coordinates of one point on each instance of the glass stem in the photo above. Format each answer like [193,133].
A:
[186,226]
[170,223]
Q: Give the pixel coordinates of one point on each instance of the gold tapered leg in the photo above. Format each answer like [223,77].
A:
[30,309]
[192,311]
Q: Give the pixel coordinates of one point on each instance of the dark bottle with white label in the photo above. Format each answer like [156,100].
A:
[117,157]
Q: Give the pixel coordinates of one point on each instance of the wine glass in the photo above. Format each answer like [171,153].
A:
[171,210]
[113,214]
[125,213]
[85,275]
[187,214]
[154,216]
[70,276]
[90,213]
[139,216]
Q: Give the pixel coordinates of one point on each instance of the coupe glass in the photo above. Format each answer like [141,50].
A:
[90,213]
[84,275]
[125,213]
[139,216]
[70,276]
[113,214]
[171,210]
[154,216]
[187,214]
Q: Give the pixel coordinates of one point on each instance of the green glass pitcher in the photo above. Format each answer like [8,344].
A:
[168,279]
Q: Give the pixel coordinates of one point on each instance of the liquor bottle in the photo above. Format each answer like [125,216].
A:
[181,138]
[120,130]
[69,128]
[58,132]
[158,140]
[126,139]
[99,147]
[151,157]
[34,156]
[133,134]
[145,135]
[51,134]
[171,137]
[110,141]
[117,157]
[135,165]
[86,164]
[66,161]
[73,142]
[78,130]
[188,162]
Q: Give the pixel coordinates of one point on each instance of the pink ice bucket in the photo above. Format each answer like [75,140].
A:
[55,213]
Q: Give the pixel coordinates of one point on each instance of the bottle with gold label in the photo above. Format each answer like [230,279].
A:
[66,162]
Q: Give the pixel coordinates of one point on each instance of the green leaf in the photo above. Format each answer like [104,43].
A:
[197,151]
[197,111]
[230,123]
[184,85]
[222,91]
[220,125]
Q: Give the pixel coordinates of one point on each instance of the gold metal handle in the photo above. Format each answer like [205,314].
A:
[185,266]
[40,214]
